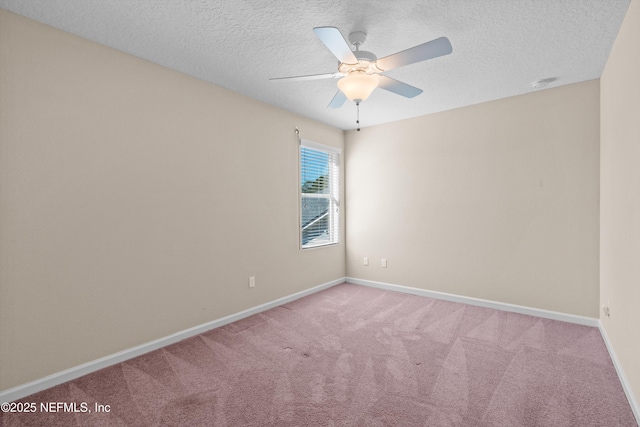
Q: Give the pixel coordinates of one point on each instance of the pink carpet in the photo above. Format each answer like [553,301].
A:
[358,356]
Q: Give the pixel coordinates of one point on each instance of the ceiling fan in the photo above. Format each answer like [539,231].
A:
[360,72]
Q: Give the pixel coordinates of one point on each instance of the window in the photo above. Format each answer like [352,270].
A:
[319,194]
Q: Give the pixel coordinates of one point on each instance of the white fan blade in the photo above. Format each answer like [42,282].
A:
[332,38]
[310,77]
[422,52]
[395,86]
[338,100]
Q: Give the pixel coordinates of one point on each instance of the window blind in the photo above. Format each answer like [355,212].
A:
[319,195]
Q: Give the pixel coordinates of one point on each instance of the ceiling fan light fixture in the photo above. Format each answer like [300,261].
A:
[358,85]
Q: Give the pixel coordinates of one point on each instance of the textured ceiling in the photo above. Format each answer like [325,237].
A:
[499,46]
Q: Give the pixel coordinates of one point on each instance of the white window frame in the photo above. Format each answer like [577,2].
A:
[333,229]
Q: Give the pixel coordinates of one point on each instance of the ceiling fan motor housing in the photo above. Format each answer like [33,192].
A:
[364,55]
[366,63]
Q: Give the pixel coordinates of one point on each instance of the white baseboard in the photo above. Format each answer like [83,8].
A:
[538,312]
[32,387]
[621,375]
[27,389]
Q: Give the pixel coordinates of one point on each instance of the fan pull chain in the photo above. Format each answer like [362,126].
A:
[358,115]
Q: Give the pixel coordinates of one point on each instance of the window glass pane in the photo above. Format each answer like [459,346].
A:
[315,220]
[315,171]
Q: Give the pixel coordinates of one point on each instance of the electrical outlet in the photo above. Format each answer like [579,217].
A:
[252,282]
[383,263]
[365,261]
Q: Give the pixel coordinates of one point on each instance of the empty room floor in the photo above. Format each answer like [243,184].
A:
[357,356]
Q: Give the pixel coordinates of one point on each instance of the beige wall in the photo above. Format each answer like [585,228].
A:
[620,196]
[497,201]
[135,202]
